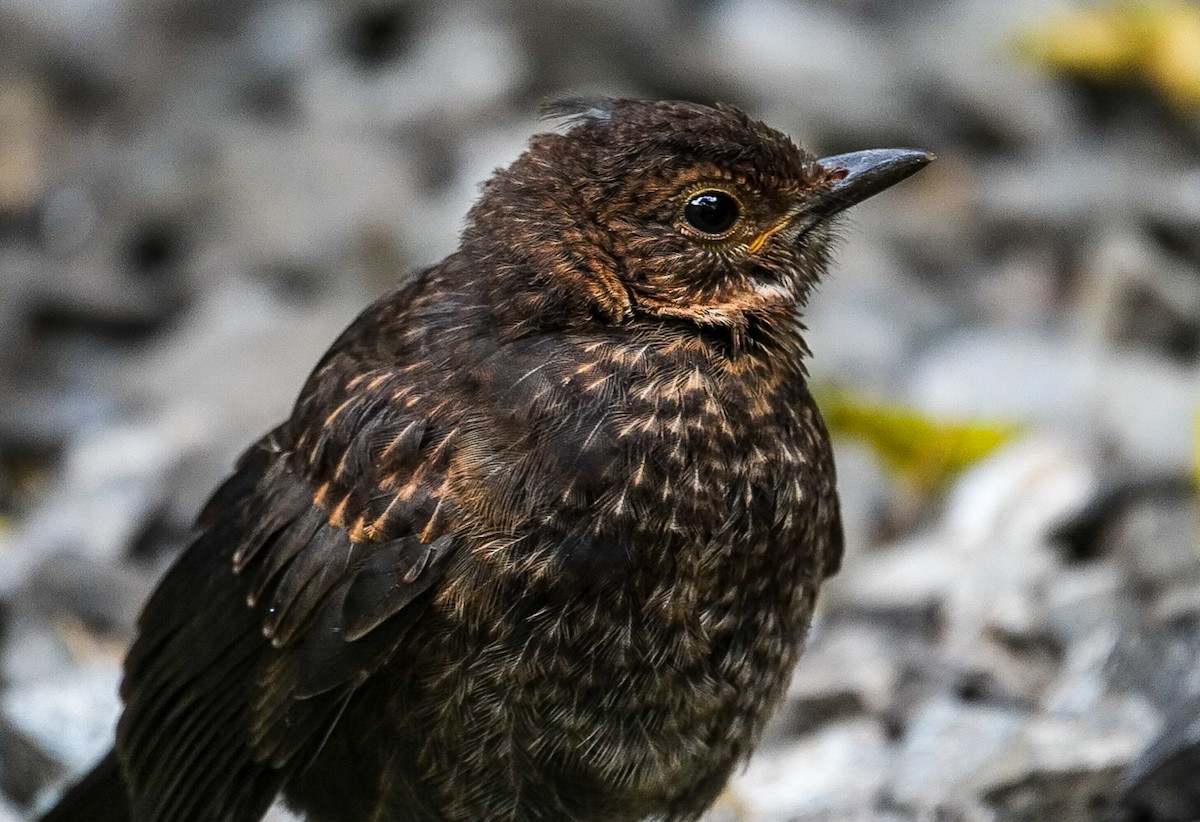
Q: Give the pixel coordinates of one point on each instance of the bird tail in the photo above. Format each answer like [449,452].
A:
[98,797]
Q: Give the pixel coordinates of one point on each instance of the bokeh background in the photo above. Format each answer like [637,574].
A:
[196,195]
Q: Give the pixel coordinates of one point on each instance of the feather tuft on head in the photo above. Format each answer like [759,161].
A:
[578,111]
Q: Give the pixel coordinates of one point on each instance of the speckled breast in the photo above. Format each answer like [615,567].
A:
[672,514]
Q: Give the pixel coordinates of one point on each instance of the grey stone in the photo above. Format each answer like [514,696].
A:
[1010,100]
[279,813]
[870,498]
[22,168]
[846,671]
[890,309]
[948,751]
[1146,406]
[1174,210]
[977,577]
[289,36]
[1053,190]
[1135,294]
[33,649]
[1178,603]
[113,479]
[1072,764]
[25,769]
[1161,660]
[1157,539]
[902,585]
[1039,767]
[754,46]
[69,718]
[1161,784]
[8,813]
[866,813]
[1083,679]
[101,597]
[1005,373]
[225,378]
[840,769]
[1085,599]
[1138,402]
[270,179]
[470,49]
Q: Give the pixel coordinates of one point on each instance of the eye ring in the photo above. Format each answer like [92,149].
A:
[711,213]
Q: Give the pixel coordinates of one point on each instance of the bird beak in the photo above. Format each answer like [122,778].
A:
[863,174]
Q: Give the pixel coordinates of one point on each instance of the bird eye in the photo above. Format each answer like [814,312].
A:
[711,212]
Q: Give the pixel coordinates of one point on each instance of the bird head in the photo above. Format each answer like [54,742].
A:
[672,212]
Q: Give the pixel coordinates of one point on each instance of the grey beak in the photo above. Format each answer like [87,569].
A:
[867,173]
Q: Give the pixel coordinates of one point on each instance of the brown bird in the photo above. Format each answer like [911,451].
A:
[542,536]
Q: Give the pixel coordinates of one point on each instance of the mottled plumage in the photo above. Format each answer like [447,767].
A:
[543,534]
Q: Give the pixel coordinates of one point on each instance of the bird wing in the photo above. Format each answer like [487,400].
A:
[309,569]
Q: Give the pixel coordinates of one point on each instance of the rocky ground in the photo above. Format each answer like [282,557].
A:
[196,196]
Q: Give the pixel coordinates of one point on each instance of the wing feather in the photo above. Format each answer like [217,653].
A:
[259,635]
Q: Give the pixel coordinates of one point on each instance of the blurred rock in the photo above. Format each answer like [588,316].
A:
[33,650]
[471,51]
[1161,785]
[196,198]
[945,757]
[1049,767]
[102,597]
[890,311]
[1147,409]
[901,586]
[1161,660]
[69,218]
[848,671]
[112,482]
[1088,616]
[870,499]
[71,26]
[24,129]
[1174,213]
[224,378]
[1072,763]
[1158,539]
[769,47]
[1134,294]
[838,770]
[1015,496]
[1012,374]
[1056,190]
[1139,403]
[70,718]
[270,178]
[25,768]
[278,813]
[997,102]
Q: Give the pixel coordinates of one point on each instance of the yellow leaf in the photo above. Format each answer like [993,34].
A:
[1154,41]
[1173,65]
[926,452]
[1196,448]
[1096,43]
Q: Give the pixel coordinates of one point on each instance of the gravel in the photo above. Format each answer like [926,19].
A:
[195,198]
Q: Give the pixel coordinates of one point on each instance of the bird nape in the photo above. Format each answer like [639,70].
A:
[542,536]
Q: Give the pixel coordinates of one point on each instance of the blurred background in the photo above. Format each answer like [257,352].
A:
[197,195]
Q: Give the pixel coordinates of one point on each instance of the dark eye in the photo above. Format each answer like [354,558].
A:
[711,212]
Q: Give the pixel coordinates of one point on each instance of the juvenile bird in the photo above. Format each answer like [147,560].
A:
[542,536]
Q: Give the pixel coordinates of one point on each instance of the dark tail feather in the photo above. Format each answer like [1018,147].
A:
[98,797]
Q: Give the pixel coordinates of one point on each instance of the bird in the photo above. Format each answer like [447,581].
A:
[542,536]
